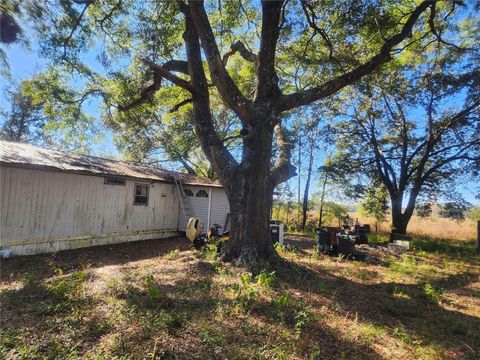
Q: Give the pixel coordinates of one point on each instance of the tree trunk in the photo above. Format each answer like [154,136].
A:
[250,194]
[307,187]
[288,212]
[399,220]
[320,217]
[399,225]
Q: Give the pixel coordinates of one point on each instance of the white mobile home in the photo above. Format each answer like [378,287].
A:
[51,200]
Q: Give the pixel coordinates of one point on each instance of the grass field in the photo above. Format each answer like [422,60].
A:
[432,227]
[157,300]
[435,228]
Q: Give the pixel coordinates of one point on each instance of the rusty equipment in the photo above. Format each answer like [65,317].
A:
[335,240]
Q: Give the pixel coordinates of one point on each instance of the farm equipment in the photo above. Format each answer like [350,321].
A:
[194,233]
[336,240]
[199,240]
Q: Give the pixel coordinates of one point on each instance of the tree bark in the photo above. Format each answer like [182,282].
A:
[249,184]
[250,196]
[399,224]
[400,219]
[307,187]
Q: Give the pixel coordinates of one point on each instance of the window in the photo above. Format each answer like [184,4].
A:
[188,192]
[114,181]
[141,194]
[202,193]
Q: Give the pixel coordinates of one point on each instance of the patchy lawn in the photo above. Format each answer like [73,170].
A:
[150,300]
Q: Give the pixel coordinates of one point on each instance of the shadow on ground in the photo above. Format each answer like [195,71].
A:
[429,322]
[43,266]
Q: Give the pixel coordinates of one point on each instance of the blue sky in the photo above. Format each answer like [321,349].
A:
[25,63]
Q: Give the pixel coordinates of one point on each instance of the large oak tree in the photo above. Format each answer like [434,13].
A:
[262,59]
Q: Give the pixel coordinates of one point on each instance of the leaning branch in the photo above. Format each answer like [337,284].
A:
[220,158]
[267,79]
[227,88]
[305,97]
[240,47]
[284,169]
[159,72]
[164,72]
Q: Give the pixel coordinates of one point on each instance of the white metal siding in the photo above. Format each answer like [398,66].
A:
[199,207]
[220,208]
[39,205]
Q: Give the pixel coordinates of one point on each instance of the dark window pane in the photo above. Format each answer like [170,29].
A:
[114,181]
[202,193]
[141,194]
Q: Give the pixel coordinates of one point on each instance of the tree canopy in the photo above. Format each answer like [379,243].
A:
[255,62]
[416,127]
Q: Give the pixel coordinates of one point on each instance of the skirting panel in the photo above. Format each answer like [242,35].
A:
[31,247]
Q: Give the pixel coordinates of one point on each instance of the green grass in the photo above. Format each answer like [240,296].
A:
[443,247]
[172,255]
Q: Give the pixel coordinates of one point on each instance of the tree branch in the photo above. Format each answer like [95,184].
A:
[164,71]
[267,80]
[240,47]
[459,155]
[227,88]
[221,159]
[433,30]
[311,20]
[160,72]
[305,97]
[180,104]
[380,161]
[145,95]
[87,3]
[284,169]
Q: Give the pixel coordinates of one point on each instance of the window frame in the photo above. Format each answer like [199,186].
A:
[120,181]
[190,191]
[147,186]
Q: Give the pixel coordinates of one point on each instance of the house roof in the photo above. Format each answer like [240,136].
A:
[30,156]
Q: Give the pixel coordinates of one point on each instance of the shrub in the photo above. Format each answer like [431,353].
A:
[70,287]
[172,255]
[265,279]
[302,316]
[432,294]
[153,291]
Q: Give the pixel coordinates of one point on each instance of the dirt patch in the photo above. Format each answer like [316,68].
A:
[40,266]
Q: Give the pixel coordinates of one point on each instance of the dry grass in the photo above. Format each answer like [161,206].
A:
[433,228]
[145,300]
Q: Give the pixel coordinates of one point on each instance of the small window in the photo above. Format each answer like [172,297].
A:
[188,192]
[202,193]
[114,181]
[141,194]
